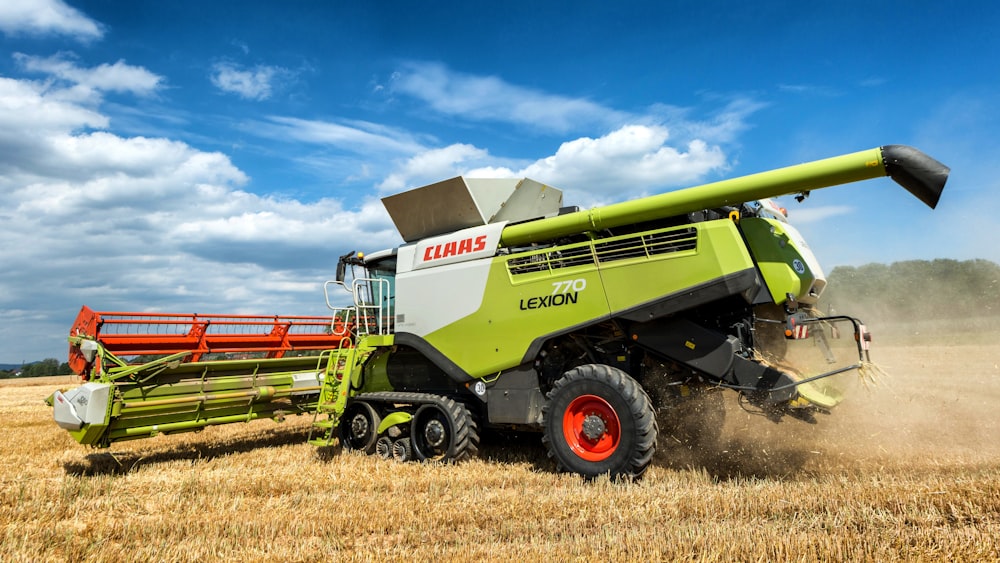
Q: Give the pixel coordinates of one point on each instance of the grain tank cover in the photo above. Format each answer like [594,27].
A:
[461,202]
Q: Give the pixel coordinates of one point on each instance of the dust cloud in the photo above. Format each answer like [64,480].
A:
[934,407]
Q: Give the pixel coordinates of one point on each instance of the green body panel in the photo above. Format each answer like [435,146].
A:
[495,337]
[376,376]
[89,434]
[776,251]
[633,281]
[546,292]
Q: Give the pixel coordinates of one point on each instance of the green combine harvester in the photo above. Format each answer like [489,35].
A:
[505,310]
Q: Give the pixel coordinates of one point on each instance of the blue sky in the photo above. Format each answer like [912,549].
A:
[218,156]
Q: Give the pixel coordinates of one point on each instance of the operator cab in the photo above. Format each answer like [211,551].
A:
[373,289]
[381,268]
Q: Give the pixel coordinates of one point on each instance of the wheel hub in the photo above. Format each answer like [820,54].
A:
[434,433]
[593,427]
[359,426]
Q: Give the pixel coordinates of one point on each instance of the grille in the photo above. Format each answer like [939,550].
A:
[620,248]
[647,245]
[546,261]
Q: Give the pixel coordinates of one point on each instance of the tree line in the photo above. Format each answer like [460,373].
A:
[46,367]
[915,289]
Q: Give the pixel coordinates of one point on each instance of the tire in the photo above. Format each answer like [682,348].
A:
[443,431]
[359,427]
[599,421]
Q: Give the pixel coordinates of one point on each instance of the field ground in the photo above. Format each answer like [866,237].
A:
[907,469]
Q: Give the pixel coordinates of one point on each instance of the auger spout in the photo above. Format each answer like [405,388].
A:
[920,174]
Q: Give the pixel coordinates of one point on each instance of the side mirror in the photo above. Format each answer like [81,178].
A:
[342,265]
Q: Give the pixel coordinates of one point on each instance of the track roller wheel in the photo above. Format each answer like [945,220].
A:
[383,447]
[444,431]
[599,421]
[402,450]
[359,427]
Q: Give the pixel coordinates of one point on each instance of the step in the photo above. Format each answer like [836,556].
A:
[321,442]
[326,424]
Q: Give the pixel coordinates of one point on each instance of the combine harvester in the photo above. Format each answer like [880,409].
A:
[505,310]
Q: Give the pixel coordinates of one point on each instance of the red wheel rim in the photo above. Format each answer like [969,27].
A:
[591,449]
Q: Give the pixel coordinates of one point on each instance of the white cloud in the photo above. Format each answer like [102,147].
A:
[627,162]
[433,165]
[135,223]
[631,160]
[814,90]
[45,17]
[43,128]
[256,83]
[489,98]
[117,77]
[721,126]
[282,234]
[31,108]
[353,135]
[665,147]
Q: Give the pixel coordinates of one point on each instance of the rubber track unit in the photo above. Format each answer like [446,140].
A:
[465,428]
[638,422]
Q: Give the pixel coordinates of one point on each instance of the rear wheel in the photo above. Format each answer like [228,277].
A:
[598,421]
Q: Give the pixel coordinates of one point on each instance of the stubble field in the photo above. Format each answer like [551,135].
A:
[906,470]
